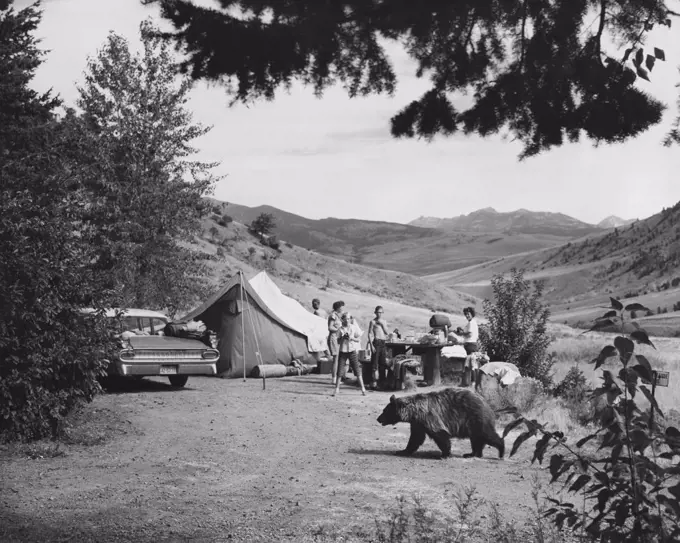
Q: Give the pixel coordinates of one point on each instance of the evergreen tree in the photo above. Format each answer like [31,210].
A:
[50,354]
[538,70]
[146,189]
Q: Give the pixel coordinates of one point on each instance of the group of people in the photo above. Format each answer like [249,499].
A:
[344,342]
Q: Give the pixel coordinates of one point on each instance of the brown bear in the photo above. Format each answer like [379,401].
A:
[443,414]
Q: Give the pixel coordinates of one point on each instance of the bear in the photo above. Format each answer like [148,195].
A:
[443,414]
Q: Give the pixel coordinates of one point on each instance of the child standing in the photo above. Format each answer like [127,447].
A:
[349,342]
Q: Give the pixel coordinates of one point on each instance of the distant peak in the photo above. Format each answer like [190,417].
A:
[487,210]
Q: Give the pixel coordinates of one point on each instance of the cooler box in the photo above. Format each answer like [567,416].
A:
[325,366]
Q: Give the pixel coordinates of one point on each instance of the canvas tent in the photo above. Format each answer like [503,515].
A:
[251,317]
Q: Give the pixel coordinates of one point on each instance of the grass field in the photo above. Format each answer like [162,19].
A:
[574,348]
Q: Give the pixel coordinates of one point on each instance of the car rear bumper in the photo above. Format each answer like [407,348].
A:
[172,367]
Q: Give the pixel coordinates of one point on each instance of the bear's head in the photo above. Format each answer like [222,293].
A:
[390,414]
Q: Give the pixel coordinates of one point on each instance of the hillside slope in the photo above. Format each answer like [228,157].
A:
[338,237]
[305,274]
[641,260]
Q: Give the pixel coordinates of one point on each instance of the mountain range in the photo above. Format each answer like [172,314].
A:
[427,245]
[520,221]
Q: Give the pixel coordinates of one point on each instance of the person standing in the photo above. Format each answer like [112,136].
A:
[316,306]
[377,336]
[471,331]
[349,342]
[334,325]
[470,338]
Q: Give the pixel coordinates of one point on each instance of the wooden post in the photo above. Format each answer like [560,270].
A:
[243,326]
[432,369]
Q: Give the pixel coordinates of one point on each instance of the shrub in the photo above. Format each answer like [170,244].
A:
[263,225]
[523,395]
[274,243]
[574,385]
[226,219]
[516,330]
[629,486]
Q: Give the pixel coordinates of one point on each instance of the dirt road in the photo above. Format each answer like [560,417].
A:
[224,460]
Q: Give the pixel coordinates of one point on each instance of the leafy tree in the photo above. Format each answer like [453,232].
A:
[51,355]
[263,225]
[538,70]
[517,325]
[629,483]
[145,190]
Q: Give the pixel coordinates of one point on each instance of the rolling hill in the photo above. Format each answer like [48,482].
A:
[339,237]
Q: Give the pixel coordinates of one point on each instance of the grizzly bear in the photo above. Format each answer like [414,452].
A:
[443,414]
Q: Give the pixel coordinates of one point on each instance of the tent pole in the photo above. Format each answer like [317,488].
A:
[243,326]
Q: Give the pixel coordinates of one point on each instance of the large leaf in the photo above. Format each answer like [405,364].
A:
[556,463]
[625,347]
[642,73]
[621,515]
[645,375]
[642,360]
[635,307]
[651,399]
[521,439]
[602,498]
[541,447]
[581,442]
[673,437]
[615,303]
[606,352]
[649,62]
[608,315]
[600,325]
[639,57]
[512,425]
[641,337]
[579,483]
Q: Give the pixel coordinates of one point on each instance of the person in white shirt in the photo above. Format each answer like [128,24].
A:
[471,336]
[349,343]
[471,331]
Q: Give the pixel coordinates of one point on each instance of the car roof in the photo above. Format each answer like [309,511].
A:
[132,312]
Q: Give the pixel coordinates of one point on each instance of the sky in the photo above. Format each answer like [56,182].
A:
[334,157]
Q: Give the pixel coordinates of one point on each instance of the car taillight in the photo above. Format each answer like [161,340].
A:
[210,353]
[127,354]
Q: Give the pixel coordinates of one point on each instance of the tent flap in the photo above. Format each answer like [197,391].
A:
[291,312]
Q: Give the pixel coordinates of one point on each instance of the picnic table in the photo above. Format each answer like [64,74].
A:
[430,353]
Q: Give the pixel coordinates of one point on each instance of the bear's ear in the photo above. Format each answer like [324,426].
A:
[393,399]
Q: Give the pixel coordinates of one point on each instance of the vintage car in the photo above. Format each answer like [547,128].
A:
[147,350]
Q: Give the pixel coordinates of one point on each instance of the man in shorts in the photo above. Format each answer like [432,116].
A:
[377,336]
